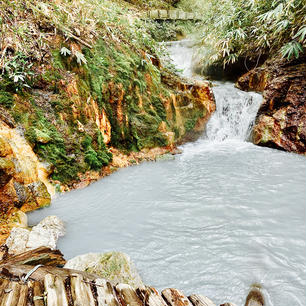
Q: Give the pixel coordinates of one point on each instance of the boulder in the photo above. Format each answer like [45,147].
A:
[24,180]
[116,267]
[17,240]
[281,119]
[45,233]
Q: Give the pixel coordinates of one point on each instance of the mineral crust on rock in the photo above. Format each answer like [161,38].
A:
[114,266]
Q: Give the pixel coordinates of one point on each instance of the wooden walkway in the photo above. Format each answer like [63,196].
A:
[172,15]
[33,278]
[65,287]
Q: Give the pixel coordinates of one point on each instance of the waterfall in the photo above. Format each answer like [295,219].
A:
[235,113]
[236,110]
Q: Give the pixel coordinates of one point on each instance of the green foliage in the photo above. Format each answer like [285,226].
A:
[49,144]
[237,29]
[98,158]
[17,72]
[171,30]
[190,124]
[6,99]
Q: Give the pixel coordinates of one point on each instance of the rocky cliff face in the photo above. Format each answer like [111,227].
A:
[281,119]
[85,105]
[24,180]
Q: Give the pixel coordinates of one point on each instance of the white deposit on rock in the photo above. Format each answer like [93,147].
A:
[45,233]
[17,240]
[115,267]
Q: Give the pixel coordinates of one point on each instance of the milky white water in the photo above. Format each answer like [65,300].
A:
[217,218]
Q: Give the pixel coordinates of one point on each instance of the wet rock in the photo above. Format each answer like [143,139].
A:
[5,148]
[45,233]
[255,298]
[23,178]
[7,170]
[17,240]
[114,266]
[281,119]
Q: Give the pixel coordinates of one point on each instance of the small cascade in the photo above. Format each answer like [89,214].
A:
[235,113]
[236,110]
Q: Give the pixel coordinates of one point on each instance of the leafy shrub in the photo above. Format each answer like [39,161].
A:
[17,71]
[235,29]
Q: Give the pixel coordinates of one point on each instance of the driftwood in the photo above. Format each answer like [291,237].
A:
[19,271]
[42,255]
[200,300]
[175,297]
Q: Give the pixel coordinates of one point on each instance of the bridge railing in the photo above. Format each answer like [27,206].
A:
[172,15]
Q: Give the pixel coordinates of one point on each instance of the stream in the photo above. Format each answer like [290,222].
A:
[214,220]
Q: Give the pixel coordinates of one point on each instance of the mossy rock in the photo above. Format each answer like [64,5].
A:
[115,267]
[41,136]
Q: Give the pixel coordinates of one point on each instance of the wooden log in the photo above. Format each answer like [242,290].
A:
[128,294]
[105,293]
[200,300]
[15,295]
[37,293]
[42,255]
[55,288]
[17,271]
[174,297]
[150,297]
[4,283]
[81,291]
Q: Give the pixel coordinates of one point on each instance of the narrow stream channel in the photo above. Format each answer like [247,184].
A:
[221,216]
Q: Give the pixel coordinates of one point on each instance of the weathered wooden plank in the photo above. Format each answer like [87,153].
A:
[175,297]
[55,288]
[150,297]
[200,300]
[4,283]
[81,291]
[42,255]
[9,293]
[128,294]
[15,295]
[38,293]
[105,293]
[39,275]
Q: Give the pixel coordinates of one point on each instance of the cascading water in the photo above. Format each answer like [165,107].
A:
[235,110]
[235,113]
[221,216]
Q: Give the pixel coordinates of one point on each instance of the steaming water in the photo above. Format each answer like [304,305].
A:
[221,216]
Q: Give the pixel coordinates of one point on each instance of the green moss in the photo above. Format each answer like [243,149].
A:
[97,157]
[190,124]
[159,107]
[6,99]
